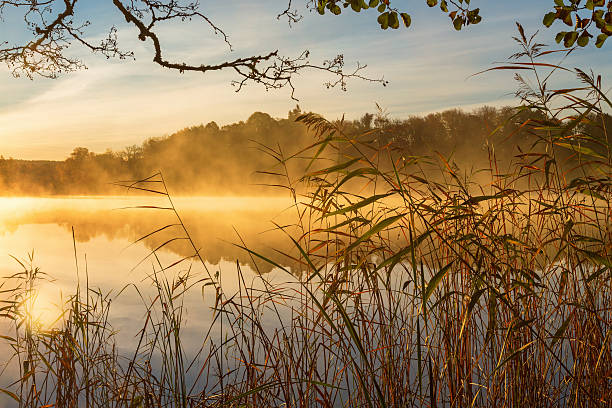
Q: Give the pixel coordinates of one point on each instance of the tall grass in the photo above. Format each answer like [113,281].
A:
[413,282]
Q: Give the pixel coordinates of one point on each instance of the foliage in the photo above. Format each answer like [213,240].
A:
[583,18]
[389,17]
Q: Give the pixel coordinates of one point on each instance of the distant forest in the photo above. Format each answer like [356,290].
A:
[209,159]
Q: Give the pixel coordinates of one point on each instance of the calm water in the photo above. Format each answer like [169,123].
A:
[107,234]
[110,255]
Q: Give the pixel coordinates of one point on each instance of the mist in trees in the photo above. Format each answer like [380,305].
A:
[213,160]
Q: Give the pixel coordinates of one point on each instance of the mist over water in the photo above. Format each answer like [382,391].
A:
[214,223]
[108,236]
[110,258]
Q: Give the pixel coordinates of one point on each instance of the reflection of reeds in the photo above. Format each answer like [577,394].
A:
[405,290]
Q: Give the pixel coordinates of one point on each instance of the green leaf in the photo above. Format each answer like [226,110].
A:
[382,7]
[601,39]
[559,3]
[360,172]
[474,298]
[570,38]
[549,19]
[358,205]
[598,16]
[560,331]
[432,3]
[255,390]
[444,6]
[433,283]
[599,259]
[592,193]
[374,230]
[475,19]
[335,168]
[478,199]
[492,315]
[512,355]
[581,149]
[383,20]
[406,18]
[395,259]
[583,40]
[12,340]
[10,394]
[520,324]
[589,5]
[374,3]
[458,23]
[560,36]
[596,274]
[393,20]
[360,220]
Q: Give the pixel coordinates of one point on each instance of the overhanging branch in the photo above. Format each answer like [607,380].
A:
[45,55]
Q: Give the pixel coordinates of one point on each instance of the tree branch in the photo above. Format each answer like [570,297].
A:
[45,54]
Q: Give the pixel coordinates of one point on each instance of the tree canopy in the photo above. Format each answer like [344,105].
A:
[53,27]
[209,159]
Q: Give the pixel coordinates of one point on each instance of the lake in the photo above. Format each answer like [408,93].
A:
[114,251]
[109,231]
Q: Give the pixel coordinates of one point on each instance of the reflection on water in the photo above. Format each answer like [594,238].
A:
[214,223]
[108,253]
[105,258]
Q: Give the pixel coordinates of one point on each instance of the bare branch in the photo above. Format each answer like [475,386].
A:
[108,46]
[45,54]
[270,70]
[292,15]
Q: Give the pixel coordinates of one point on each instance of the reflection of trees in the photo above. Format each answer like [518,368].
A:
[212,230]
[211,227]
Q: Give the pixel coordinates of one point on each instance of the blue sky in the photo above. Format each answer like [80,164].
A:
[117,103]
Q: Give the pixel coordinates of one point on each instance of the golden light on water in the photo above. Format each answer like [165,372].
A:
[11,205]
[42,311]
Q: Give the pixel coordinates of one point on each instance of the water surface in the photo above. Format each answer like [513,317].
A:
[108,250]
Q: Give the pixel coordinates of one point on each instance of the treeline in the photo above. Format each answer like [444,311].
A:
[209,159]
[474,139]
[205,159]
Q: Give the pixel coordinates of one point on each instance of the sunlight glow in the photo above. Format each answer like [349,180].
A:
[41,312]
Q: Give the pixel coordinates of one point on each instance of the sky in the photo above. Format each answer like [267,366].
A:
[116,103]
